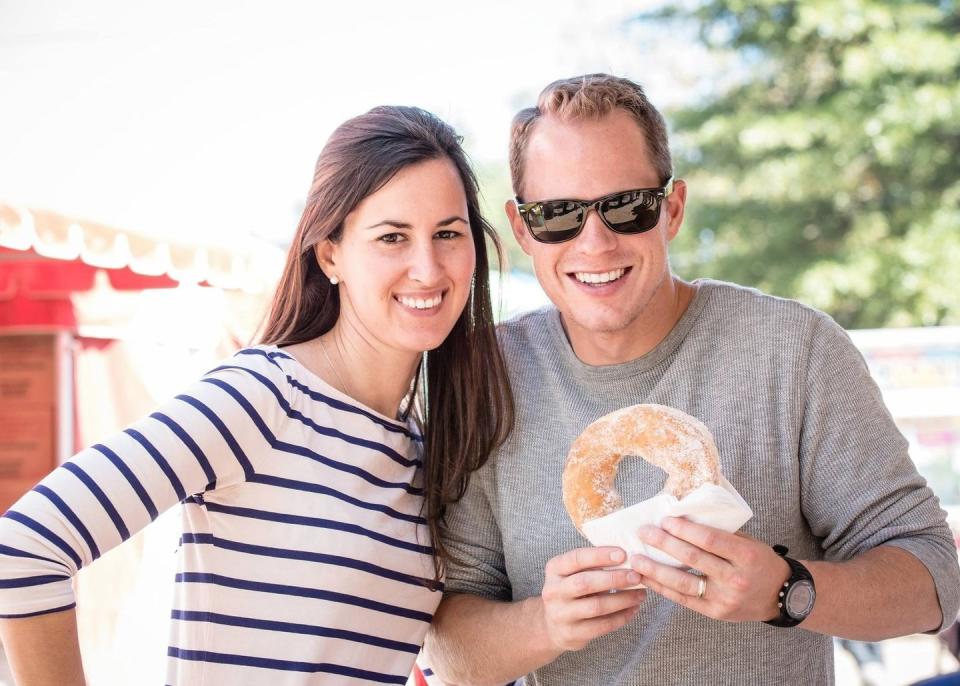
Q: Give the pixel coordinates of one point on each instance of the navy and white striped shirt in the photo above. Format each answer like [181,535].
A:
[304,556]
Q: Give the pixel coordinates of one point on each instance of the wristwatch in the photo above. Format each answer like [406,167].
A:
[796,596]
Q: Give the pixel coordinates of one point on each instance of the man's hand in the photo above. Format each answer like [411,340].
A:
[578,605]
[741,576]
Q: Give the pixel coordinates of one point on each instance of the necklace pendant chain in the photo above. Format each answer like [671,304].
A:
[336,372]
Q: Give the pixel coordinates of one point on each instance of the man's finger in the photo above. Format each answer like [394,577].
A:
[679,549]
[603,604]
[721,543]
[596,581]
[691,601]
[579,559]
[590,629]
[666,576]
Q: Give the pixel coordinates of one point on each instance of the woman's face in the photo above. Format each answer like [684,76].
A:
[405,260]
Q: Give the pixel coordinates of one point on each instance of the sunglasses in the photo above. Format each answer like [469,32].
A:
[627,212]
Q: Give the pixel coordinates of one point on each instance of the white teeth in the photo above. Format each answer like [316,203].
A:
[420,303]
[605,277]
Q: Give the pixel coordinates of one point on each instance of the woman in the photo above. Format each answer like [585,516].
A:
[310,494]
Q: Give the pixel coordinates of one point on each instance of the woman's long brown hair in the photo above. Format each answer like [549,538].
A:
[464,396]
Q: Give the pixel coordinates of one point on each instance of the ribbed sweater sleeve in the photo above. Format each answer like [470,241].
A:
[860,487]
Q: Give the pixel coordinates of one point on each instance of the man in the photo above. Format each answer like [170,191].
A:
[801,431]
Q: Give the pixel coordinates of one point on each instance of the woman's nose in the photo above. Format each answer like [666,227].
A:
[425,266]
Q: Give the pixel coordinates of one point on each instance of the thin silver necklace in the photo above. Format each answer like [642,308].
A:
[326,356]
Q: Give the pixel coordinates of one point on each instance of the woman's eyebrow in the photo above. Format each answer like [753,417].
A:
[390,222]
[450,220]
[404,225]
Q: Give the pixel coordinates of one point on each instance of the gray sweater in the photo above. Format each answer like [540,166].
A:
[803,435]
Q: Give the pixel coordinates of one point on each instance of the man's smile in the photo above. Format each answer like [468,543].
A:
[598,279]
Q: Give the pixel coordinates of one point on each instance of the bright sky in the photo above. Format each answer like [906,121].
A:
[205,118]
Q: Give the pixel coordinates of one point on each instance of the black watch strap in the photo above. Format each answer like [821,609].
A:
[797,573]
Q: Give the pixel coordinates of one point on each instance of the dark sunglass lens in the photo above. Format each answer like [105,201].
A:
[558,220]
[632,212]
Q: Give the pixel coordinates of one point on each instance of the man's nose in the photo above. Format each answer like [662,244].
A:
[595,237]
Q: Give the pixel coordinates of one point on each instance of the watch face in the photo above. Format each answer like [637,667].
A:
[799,600]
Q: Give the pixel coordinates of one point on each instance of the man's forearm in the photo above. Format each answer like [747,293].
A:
[883,593]
[476,642]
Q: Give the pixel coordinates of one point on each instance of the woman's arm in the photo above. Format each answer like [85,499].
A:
[43,650]
[204,438]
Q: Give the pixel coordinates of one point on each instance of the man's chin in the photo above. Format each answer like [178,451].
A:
[599,323]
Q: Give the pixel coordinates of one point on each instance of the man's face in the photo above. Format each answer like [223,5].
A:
[603,283]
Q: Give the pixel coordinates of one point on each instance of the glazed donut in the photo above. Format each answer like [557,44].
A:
[670,439]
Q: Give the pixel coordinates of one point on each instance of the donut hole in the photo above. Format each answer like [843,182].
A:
[637,480]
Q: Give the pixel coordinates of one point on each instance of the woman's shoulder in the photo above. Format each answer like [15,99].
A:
[258,357]
[253,371]
[316,402]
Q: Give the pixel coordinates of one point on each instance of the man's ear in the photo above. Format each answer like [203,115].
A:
[676,203]
[519,228]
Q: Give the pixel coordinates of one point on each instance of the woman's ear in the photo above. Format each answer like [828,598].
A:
[325,252]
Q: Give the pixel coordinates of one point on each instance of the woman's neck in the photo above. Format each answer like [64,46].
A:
[350,361]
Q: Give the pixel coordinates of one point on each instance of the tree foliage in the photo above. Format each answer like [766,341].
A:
[830,171]
[495,187]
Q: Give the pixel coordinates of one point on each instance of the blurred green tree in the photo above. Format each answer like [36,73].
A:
[830,170]
[495,190]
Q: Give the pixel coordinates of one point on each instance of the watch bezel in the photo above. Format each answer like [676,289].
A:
[805,611]
[798,575]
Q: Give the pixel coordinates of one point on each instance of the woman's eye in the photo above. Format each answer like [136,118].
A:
[391,238]
[448,234]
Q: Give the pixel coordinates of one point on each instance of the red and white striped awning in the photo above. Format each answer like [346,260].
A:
[46,258]
[77,248]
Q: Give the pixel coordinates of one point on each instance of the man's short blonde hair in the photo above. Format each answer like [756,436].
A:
[591,96]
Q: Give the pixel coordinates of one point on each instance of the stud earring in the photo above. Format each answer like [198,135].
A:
[334,280]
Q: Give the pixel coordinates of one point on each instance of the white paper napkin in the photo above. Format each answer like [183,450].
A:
[718,506]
